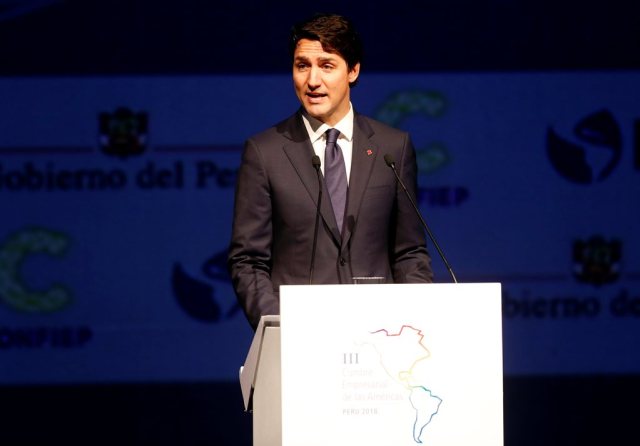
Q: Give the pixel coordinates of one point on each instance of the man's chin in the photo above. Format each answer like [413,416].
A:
[316,111]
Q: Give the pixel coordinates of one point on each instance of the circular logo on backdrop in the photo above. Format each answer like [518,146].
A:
[593,151]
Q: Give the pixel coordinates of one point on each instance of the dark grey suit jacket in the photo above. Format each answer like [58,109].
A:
[275,212]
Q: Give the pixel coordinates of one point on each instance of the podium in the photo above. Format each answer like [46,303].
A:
[260,383]
[386,364]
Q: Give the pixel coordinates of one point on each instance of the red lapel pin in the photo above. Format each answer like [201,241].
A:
[369,152]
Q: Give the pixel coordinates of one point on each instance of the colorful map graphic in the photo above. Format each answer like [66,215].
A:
[399,354]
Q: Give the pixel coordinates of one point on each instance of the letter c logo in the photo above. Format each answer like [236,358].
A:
[13,252]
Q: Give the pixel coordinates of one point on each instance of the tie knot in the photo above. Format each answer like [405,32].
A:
[332,136]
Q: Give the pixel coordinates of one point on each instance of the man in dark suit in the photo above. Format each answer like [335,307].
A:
[368,229]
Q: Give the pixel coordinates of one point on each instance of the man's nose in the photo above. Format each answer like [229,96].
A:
[314,77]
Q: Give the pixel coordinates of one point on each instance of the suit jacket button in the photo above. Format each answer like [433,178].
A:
[342,261]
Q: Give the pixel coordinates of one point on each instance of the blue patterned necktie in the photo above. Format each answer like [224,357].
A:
[335,175]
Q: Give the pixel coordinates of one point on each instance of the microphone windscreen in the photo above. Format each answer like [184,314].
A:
[389,160]
[315,161]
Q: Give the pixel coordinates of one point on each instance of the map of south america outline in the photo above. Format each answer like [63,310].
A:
[399,353]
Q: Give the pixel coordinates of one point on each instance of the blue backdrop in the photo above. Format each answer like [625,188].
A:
[121,193]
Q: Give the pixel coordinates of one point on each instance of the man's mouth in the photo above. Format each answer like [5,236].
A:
[316,95]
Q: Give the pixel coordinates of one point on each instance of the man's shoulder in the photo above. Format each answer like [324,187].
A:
[377,126]
[281,129]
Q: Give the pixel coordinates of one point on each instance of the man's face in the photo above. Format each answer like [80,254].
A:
[321,81]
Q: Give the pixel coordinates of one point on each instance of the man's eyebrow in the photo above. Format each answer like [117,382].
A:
[322,59]
[327,58]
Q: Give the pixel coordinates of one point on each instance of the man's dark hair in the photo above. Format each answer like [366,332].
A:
[335,33]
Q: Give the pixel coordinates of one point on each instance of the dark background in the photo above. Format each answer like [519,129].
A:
[86,38]
[193,36]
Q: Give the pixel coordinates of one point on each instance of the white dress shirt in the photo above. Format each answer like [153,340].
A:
[317,129]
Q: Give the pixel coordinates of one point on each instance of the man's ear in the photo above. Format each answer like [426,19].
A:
[354,73]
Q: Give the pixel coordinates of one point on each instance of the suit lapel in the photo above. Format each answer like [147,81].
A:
[300,152]
[364,154]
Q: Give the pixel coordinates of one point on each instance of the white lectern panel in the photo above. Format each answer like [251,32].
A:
[391,365]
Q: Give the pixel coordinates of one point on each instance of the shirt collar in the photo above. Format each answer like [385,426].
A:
[316,128]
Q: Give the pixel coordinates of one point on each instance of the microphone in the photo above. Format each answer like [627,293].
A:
[315,160]
[391,163]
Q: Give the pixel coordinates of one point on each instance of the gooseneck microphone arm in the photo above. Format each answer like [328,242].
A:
[391,163]
[316,165]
